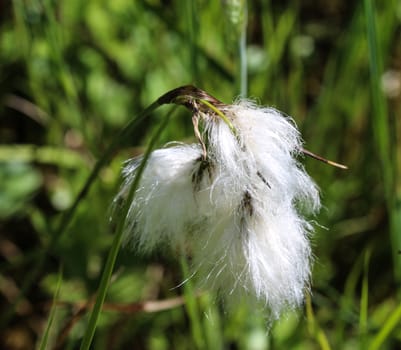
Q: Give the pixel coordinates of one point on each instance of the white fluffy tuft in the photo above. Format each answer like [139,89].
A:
[164,206]
[239,211]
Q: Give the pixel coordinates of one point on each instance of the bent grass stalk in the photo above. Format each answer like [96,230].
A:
[124,133]
[69,214]
[109,266]
[172,96]
[185,95]
[180,95]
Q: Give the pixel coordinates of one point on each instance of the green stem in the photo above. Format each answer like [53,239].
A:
[45,338]
[220,114]
[388,327]
[181,95]
[382,136]
[364,302]
[380,112]
[122,135]
[243,74]
[192,34]
[111,259]
[192,307]
[313,327]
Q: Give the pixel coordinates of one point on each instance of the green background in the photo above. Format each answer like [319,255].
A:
[73,73]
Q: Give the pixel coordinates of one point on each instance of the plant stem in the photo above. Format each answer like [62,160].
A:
[193,38]
[382,136]
[243,73]
[111,259]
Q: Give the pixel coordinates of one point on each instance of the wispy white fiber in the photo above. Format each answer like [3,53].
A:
[240,211]
[164,206]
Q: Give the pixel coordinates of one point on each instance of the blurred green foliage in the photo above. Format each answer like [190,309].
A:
[74,72]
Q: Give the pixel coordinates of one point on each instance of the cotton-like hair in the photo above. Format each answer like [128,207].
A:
[240,210]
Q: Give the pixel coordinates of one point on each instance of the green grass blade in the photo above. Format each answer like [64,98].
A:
[109,266]
[55,38]
[387,328]
[45,338]
[125,132]
[212,322]
[313,327]
[364,303]
[192,307]
[381,130]
[192,40]
[21,28]
[380,113]
[243,62]
[236,18]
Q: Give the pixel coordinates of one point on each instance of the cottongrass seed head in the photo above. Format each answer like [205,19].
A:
[238,208]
